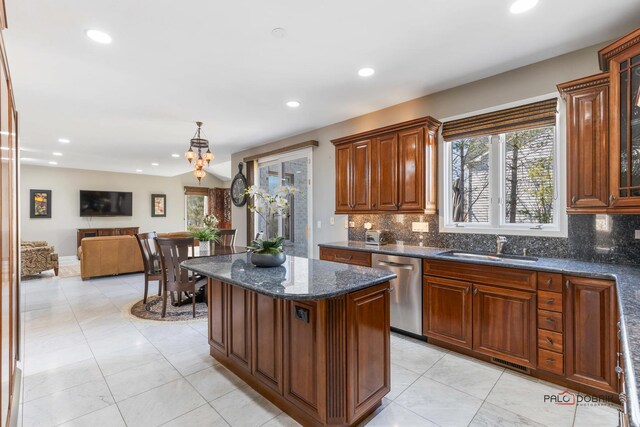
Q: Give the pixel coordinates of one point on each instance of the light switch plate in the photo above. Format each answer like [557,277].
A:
[637,234]
[319,224]
[420,227]
[332,220]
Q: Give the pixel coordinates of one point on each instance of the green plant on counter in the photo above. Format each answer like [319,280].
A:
[206,235]
[267,246]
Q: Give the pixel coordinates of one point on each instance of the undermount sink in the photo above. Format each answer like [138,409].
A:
[489,257]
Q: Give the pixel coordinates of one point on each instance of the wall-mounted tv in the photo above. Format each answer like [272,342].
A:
[106,203]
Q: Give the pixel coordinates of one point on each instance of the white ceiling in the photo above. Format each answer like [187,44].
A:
[133,102]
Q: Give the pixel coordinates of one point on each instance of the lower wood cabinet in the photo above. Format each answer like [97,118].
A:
[562,328]
[325,362]
[447,310]
[591,343]
[504,324]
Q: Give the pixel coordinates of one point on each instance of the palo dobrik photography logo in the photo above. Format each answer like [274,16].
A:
[566,398]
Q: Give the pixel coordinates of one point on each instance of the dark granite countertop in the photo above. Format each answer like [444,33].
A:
[627,278]
[298,278]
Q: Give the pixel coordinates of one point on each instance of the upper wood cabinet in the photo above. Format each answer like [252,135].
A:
[603,133]
[587,102]
[391,169]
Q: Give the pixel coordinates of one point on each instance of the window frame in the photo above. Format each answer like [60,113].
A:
[497,183]
[186,207]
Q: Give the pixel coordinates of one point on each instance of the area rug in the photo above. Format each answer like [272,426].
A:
[152,311]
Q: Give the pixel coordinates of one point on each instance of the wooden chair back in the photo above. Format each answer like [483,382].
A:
[227,237]
[150,254]
[172,252]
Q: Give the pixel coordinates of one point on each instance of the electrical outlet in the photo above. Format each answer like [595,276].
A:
[332,220]
[637,234]
[420,227]
[352,224]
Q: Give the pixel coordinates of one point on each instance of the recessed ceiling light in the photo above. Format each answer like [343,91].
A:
[64,140]
[155,164]
[138,170]
[99,36]
[520,6]
[57,153]
[293,104]
[279,33]
[53,163]
[175,155]
[366,72]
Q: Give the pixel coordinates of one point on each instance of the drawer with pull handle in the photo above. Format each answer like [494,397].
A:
[550,282]
[550,340]
[550,320]
[346,256]
[551,301]
[550,361]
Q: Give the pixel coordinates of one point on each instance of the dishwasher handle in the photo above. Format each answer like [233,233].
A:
[395,265]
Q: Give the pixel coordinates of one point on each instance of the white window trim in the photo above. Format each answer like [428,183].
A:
[558,229]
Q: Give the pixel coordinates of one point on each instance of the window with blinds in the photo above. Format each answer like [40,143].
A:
[500,169]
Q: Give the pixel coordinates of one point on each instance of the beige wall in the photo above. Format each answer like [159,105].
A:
[523,83]
[65,186]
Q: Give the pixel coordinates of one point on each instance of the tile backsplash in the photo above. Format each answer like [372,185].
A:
[599,238]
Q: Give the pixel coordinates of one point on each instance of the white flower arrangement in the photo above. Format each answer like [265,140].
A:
[210,221]
[269,205]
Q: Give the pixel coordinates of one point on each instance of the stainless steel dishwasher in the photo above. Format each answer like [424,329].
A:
[406,294]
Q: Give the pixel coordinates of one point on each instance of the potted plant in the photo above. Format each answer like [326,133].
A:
[205,236]
[268,252]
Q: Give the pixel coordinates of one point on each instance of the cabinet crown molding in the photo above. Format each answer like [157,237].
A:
[597,80]
[614,49]
[429,122]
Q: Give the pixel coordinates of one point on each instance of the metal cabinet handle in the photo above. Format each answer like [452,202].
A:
[566,284]
[550,321]
[336,257]
[550,301]
[373,205]
[550,361]
[466,291]
[549,341]
[611,198]
[475,291]
[549,282]
[574,199]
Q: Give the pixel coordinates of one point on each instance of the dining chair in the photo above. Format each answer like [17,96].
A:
[176,279]
[151,261]
[227,237]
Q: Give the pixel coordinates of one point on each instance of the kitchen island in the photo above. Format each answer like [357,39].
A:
[311,336]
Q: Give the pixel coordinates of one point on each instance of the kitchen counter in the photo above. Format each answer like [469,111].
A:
[627,280]
[302,334]
[297,279]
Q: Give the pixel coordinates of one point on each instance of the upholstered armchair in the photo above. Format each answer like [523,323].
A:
[36,257]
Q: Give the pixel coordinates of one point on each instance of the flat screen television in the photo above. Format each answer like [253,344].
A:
[106,203]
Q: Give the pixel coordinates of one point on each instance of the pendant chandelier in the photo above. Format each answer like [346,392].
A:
[200,144]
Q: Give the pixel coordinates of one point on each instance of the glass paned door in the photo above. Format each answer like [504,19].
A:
[293,170]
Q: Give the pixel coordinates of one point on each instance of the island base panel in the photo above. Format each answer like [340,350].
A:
[323,362]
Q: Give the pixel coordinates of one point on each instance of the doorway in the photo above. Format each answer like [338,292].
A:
[292,169]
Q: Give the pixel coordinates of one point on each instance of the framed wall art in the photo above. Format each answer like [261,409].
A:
[40,203]
[158,205]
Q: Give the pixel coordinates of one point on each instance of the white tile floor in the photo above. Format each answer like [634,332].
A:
[87,364]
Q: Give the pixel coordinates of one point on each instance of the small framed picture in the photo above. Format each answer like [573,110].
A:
[40,203]
[158,205]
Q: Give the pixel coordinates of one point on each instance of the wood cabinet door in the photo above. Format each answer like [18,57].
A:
[267,340]
[590,332]
[447,310]
[588,148]
[368,352]
[504,324]
[217,304]
[386,173]
[305,356]
[239,338]
[361,176]
[411,170]
[343,178]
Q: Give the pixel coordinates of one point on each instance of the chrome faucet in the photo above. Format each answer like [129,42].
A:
[500,241]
